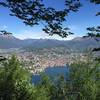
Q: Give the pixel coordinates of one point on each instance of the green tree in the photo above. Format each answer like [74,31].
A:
[34,12]
[84,80]
[96,2]
[3,32]
[82,83]
[14,81]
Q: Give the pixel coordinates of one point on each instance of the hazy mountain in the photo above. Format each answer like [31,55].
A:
[9,41]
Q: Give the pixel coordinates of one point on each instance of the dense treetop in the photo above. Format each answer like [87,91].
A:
[34,12]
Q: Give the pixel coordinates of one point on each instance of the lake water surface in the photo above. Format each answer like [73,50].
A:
[51,72]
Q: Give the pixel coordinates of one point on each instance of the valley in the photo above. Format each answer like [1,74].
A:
[38,54]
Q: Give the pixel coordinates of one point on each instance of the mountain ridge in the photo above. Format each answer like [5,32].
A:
[7,42]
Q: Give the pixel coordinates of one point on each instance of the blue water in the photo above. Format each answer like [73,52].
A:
[51,72]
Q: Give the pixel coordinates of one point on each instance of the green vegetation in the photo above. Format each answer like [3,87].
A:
[14,81]
[83,83]
[84,80]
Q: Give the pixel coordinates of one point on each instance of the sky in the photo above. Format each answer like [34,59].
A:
[77,22]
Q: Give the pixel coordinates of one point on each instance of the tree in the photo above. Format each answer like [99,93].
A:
[84,79]
[94,32]
[34,12]
[84,82]
[14,81]
[3,32]
[96,2]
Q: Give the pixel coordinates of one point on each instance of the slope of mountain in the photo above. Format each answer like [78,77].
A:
[75,44]
[9,41]
[79,43]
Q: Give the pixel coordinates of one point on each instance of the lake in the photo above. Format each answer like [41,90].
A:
[51,72]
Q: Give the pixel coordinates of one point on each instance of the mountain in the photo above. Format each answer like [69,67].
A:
[77,39]
[9,41]
[78,43]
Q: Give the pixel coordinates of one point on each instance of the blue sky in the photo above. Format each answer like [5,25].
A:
[78,22]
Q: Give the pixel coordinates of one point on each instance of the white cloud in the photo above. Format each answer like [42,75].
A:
[59,38]
[29,34]
[26,34]
[3,27]
[73,27]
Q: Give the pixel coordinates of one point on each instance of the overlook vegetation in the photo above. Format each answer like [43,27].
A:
[83,82]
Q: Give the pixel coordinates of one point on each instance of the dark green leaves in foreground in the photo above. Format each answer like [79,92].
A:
[3,32]
[95,1]
[34,12]
[83,83]
[14,81]
[94,32]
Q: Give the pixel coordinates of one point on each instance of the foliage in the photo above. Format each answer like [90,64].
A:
[94,32]
[14,81]
[82,83]
[84,80]
[84,77]
[34,12]
[96,2]
[3,32]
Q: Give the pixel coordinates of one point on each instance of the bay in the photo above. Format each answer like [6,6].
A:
[52,72]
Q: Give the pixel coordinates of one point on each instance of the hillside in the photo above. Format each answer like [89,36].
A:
[79,43]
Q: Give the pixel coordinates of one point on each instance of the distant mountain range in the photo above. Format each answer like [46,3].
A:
[9,41]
